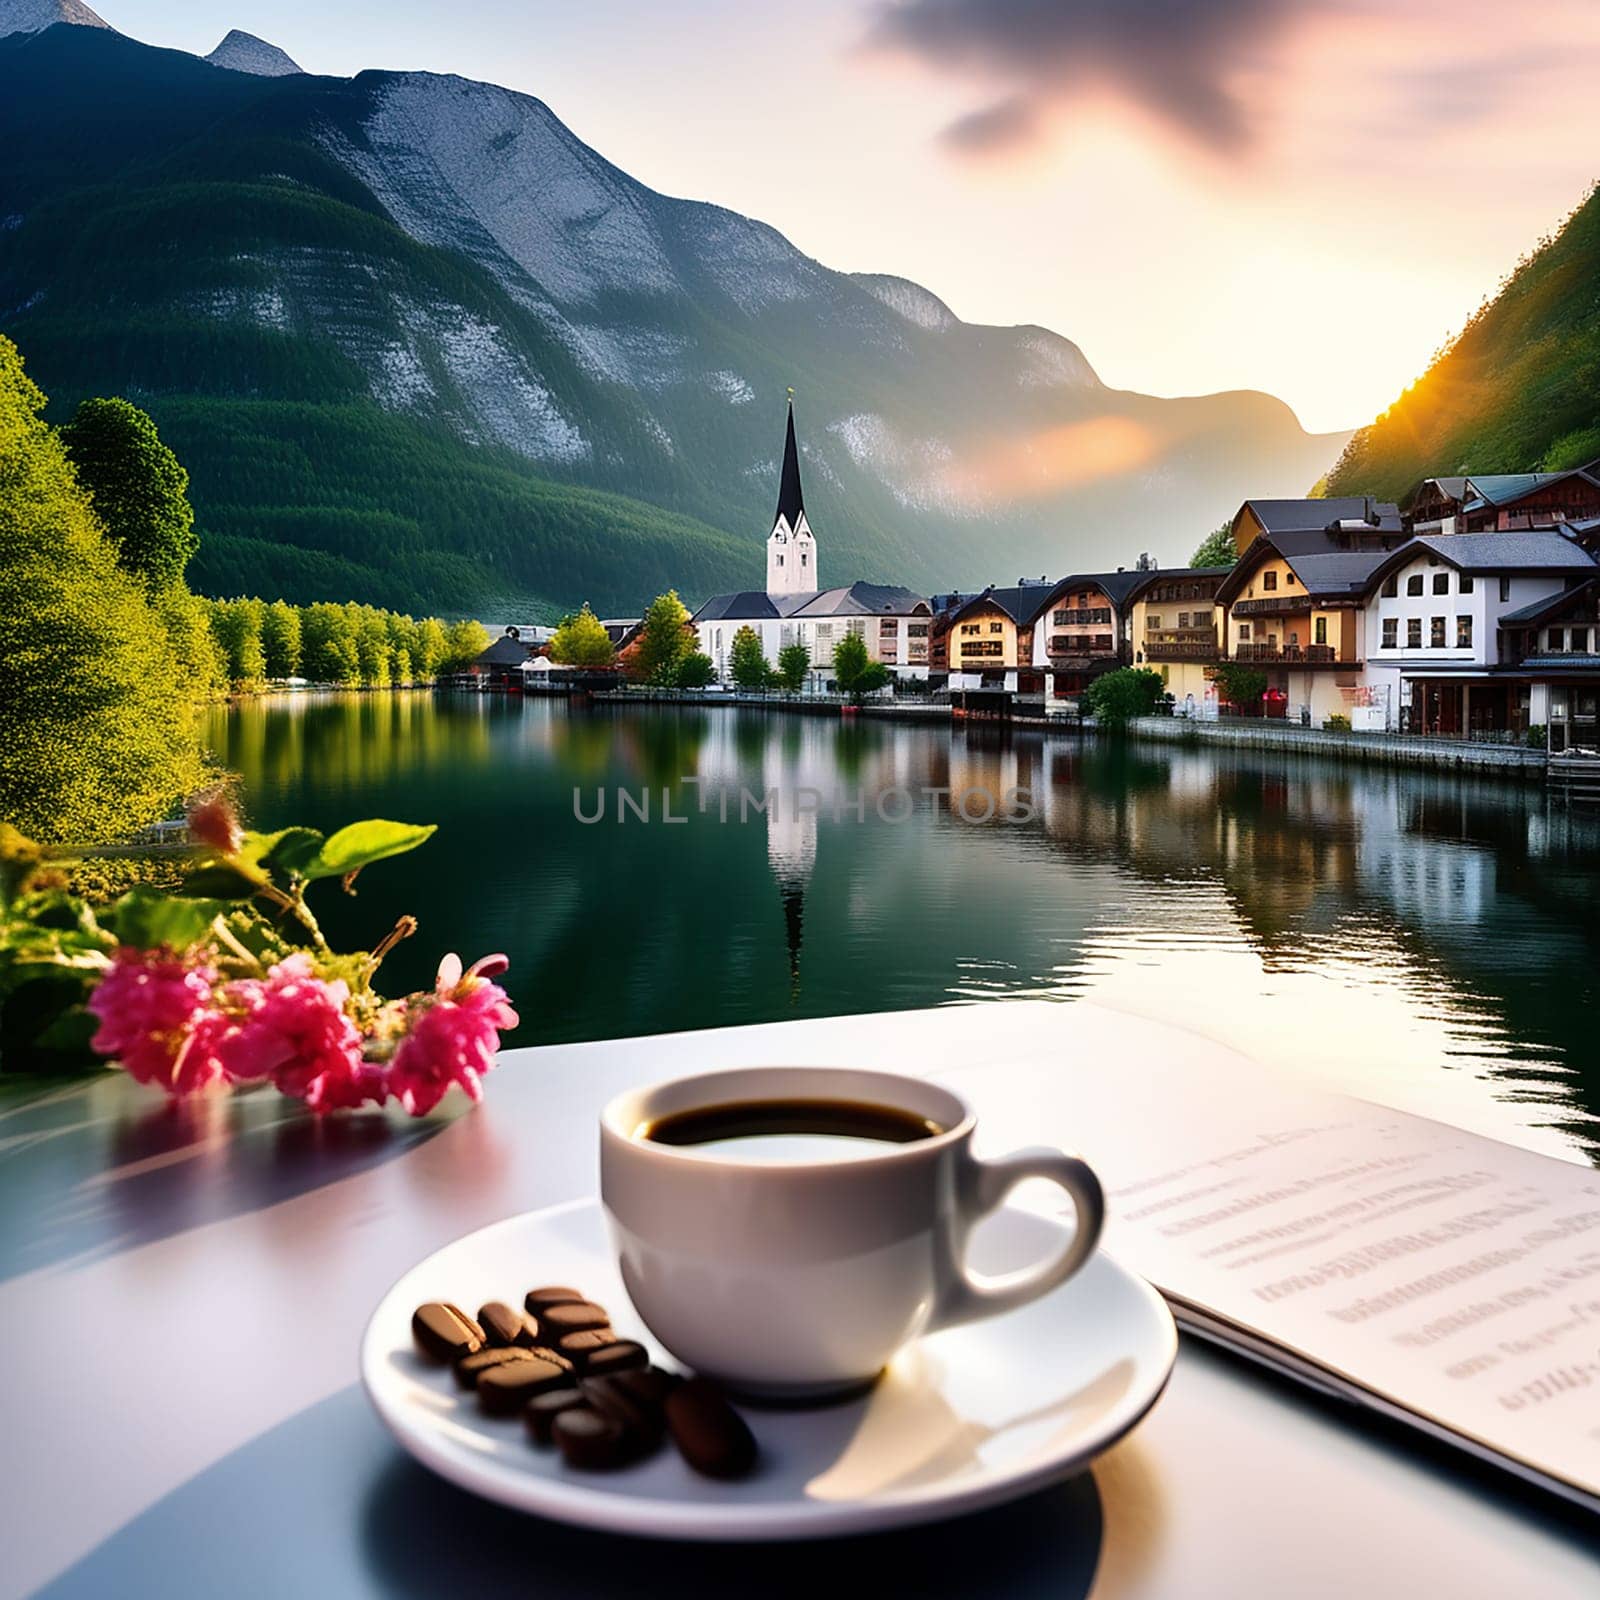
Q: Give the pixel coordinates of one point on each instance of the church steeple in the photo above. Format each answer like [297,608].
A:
[791,546]
[791,501]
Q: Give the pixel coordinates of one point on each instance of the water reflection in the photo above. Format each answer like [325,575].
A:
[1422,938]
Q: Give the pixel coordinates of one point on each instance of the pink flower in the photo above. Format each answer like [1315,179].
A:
[147,1003]
[453,1034]
[291,1026]
[213,821]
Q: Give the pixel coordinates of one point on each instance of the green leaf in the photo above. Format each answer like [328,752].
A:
[287,850]
[219,881]
[146,919]
[362,843]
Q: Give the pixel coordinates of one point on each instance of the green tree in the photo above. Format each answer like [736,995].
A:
[664,640]
[98,707]
[694,671]
[403,671]
[139,489]
[854,670]
[329,652]
[581,641]
[1240,686]
[374,653]
[464,642]
[429,649]
[280,640]
[794,662]
[1117,697]
[238,627]
[747,661]
[1216,549]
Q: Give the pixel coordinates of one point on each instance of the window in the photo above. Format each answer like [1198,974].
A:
[1269,581]
[1556,639]
[970,627]
[1319,630]
[916,630]
[1155,622]
[1391,587]
[780,560]
[1244,633]
[1505,589]
[1288,578]
[1441,583]
[1463,633]
[1463,584]
[1391,632]
[997,627]
[1580,641]
[1436,633]
[889,625]
[1414,583]
[803,558]
[1413,633]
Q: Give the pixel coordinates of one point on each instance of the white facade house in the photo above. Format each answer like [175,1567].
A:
[1433,624]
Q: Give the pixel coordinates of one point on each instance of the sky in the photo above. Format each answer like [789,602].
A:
[1306,197]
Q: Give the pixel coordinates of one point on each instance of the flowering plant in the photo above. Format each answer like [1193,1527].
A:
[230,980]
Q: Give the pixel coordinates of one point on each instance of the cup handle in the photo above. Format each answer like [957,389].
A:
[968,1296]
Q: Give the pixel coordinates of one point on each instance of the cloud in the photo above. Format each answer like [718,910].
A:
[1178,59]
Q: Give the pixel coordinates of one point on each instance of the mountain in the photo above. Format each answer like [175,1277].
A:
[243,52]
[32,16]
[411,327]
[1517,390]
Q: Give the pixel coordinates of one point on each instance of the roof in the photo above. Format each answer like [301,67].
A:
[859,600]
[791,501]
[747,605]
[1551,605]
[504,652]
[1451,488]
[1319,569]
[1118,585]
[1505,552]
[1500,488]
[1148,580]
[1021,602]
[1320,516]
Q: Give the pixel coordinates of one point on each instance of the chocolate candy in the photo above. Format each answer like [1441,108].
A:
[649,1385]
[591,1441]
[505,1325]
[618,1356]
[711,1436]
[644,1424]
[552,1294]
[509,1387]
[579,1348]
[541,1412]
[470,1368]
[445,1332]
[572,1316]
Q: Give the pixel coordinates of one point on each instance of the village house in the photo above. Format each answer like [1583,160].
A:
[1553,645]
[1081,631]
[1504,502]
[1173,629]
[986,639]
[892,622]
[1344,522]
[1460,626]
[1300,619]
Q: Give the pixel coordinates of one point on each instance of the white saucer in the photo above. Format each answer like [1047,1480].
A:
[963,1419]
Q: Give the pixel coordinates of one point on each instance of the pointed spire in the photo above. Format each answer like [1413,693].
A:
[791,502]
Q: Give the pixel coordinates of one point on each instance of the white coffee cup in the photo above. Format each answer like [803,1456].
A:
[797,1280]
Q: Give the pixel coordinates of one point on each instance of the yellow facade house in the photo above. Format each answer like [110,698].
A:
[1175,628]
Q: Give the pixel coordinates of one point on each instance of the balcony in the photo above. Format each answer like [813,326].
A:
[1293,655]
[1198,647]
[1275,605]
[1095,616]
[1061,644]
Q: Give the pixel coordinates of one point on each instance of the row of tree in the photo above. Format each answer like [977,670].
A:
[353,645]
[666,654]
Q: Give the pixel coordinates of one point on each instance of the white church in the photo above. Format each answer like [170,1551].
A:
[892,622]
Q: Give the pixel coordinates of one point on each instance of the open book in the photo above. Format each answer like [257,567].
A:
[1441,1278]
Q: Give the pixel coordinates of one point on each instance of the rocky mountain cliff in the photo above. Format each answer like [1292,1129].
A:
[33,16]
[244,52]
[316,284]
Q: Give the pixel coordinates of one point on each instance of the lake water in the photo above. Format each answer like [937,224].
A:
[1428,941]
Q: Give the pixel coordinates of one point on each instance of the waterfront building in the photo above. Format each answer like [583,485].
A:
[1344,522]
[1466,633]
[1554,645]
[891,621]
[1504,502]
[1173,629]
[986,639]
[1081,631]
[1298,614]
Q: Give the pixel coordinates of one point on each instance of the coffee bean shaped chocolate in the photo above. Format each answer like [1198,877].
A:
[619,1356]
[643,1424]
[552,1294]
[445,1332]
[505,1325]
[650,1385]
[578,1348]
[554,1357]
[711,1436]
[541,1412]
[576,1316]
[590,1441]
[470,1368]
[509,1387]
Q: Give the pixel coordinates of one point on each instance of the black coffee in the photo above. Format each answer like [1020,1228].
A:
[791,1130]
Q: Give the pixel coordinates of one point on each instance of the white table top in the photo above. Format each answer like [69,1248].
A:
[182,1293]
